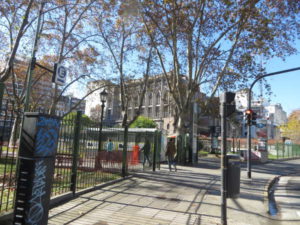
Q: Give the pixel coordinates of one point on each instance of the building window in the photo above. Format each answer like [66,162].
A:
[150,99]
[142,111]
[157,111]
[158,98]
[150,111]
[109,114]
[165,99]
[129,113]
[164,82]
[166,111]
[136,101]
[109,102]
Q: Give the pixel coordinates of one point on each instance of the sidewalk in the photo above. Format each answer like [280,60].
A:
[287,196]
[189,196]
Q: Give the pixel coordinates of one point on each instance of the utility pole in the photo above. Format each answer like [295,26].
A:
[33,59]
[249,108]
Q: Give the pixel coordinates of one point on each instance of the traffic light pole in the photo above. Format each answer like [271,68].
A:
[227,107]
[223,165]
[249,108]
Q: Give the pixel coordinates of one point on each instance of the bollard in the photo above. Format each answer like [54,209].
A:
[36,167]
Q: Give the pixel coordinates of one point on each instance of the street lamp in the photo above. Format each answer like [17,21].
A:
[103,96]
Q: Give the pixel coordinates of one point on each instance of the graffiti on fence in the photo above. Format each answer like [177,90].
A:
[36,211]
[47,136]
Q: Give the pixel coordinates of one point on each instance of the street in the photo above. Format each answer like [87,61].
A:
[189,196]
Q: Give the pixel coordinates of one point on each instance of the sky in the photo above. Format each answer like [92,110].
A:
[286,86]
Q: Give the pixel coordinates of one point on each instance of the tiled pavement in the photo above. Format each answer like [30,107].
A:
[189,196]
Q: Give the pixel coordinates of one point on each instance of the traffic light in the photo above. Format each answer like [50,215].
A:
[254,117]
[228,99]
[248,116]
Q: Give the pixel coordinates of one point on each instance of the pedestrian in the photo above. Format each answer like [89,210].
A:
[171,153]
[135,154]
[109,149]
[146,149]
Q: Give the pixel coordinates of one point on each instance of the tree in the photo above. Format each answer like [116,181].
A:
[214,45]
[64,32]
[119,29]
[128,54]
[71,117]
[292,128]
[143,122]
[14,23]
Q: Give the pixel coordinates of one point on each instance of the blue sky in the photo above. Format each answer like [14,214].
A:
[285,87]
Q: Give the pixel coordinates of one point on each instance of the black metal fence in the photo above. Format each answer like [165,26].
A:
[9,121]
[79,163]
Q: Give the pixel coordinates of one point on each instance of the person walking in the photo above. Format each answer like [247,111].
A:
[171,153]
[146,149]
[135,154]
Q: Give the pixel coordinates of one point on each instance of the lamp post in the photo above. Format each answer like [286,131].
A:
[103,96]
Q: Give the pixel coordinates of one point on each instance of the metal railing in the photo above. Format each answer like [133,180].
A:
[283,151]
[9,121]
[78,163]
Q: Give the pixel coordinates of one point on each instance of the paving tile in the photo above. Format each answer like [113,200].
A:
[189,197]
[166,215]
[148,212]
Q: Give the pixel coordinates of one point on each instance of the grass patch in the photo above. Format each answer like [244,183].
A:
[272,156]
[202,153]
[10,166]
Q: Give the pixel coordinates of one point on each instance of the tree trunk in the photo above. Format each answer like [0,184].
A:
[181,131]
[14,132]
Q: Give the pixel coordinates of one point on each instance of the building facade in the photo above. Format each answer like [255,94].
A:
[157,105]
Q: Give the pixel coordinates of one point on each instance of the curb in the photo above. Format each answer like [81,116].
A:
[267,188]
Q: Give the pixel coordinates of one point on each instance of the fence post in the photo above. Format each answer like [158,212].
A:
[159,147]
[155,152]
[75,151]
[124,155]
[38,147]
[2,86]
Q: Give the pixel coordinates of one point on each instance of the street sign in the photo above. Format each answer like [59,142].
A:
[60,74]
